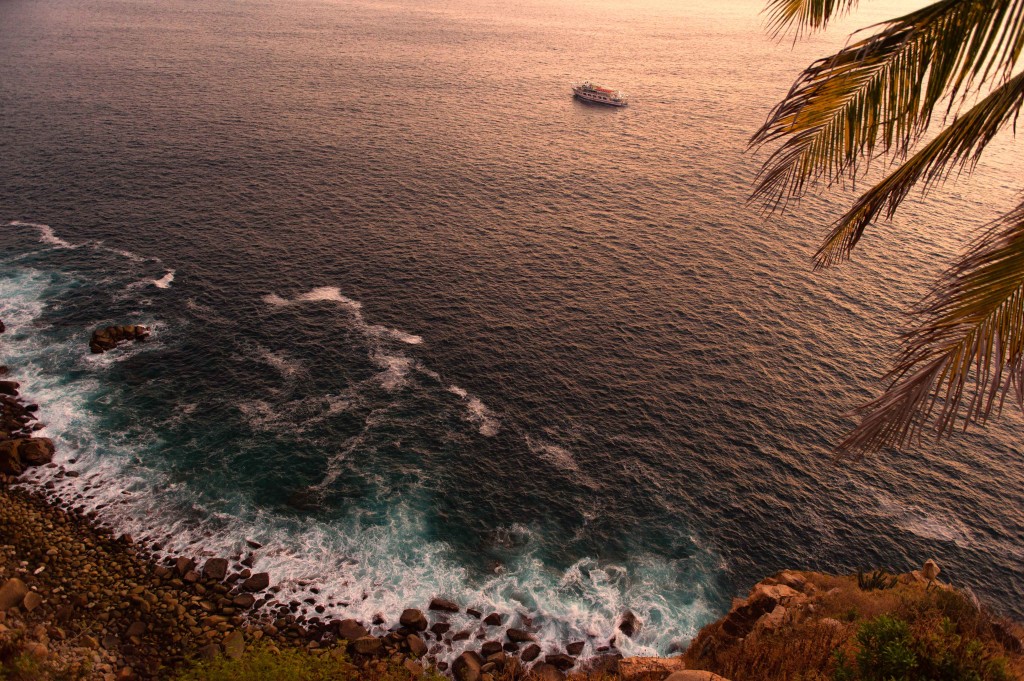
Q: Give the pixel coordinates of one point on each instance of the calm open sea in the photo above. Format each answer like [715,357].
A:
[424,325]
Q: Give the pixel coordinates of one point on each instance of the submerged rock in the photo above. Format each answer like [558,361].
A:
[107,338]
[629,624]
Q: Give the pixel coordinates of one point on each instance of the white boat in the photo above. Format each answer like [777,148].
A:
[602,95]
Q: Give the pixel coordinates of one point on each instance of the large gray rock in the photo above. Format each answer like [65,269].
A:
[12,593]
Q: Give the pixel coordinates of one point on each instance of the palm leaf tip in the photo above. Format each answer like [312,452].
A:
[802,15]
[967,354]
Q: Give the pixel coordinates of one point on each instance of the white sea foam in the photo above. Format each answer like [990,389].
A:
[46,234]
[477,412]
[925,524]
[164,281]
[558,456]
[359,569]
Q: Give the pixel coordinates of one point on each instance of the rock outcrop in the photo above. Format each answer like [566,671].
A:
[107,338]
[18,454]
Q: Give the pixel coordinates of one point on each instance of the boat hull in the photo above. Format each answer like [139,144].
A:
[598,98]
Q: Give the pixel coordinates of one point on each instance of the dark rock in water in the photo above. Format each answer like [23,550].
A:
[379,619]
[629,624]
[546,672]
[351,630]
[244,601]
[510,647]
[108,337]
[575,648]
[494,619]
[561,661]
[3,369]
[258,582]
[520,636]
[461,636]
[443,605]
[184,565]
[440,628]
[490,648]
[414,619]
[216,569]
[367,645]
[474,613]
[2,327]
[9,388]
[530,653]
[253,544]
[467,667]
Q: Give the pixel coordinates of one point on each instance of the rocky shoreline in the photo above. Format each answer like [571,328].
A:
[85,603]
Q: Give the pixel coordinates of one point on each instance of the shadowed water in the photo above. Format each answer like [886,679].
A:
[424,325]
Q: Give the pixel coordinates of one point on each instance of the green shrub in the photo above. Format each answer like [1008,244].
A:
[888,649]
[259,663]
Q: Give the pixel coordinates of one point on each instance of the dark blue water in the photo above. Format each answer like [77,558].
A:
[423,325]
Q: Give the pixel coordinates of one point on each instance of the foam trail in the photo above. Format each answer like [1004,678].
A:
[164,281]
[477,412]
[46,234]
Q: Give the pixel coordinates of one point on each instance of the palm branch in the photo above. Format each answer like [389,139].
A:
[804,14]
[957,147]
[968,353]
[878,94]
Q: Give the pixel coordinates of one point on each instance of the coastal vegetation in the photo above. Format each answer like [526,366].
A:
[923,96]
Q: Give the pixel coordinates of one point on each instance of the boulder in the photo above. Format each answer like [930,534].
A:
[467,667]
[107,338]
[490,648]
[257,582]
[493,620]
[367,645]
[216,569]
[12,593]
[530,653]
[546,672]
[440,628]
[694,675]
[649,668]
[234,645]
[416,645]
[520,636]
[443,605]
[184,565]
[17,455]
[32,601]
[351,630]
[629,624]
[414,619]
[9,388]
[602,665]
[575,648]
[561,661]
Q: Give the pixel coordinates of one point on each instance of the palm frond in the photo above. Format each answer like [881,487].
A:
[804,14]
[878,94]
[957,147]
[969,352]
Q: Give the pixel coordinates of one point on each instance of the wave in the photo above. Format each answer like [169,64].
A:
[477,412]
[164,281]
[46,234]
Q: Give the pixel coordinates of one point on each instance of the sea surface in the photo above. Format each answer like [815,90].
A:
[425,325]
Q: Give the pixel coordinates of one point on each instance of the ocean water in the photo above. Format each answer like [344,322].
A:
[425,326]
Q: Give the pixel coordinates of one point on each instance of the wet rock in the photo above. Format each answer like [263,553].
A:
[9,388]
[561,661]
[107,338]
[216,569]
[547,672]
[351,630]
[493,620]
[440,628]
[461,635]
[629,624]
[520,636]
[530,653]
[443,605]
[257,582]
[603,665]
[414,619]
[575,648]
[467,667]
[474,613]
[184,565]
[19,453]
[244,601]
[12,593]
[490,648]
